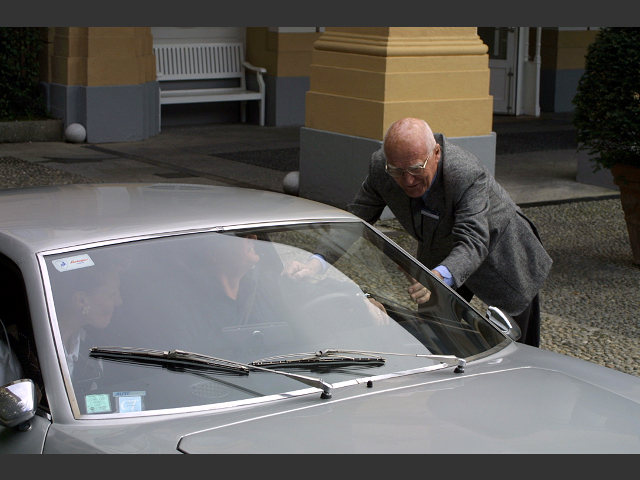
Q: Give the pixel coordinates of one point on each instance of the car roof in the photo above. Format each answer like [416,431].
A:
[45,218]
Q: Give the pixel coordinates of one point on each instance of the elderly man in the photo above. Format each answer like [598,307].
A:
[469,231]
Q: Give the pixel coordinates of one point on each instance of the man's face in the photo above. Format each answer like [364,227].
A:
[101,302]
[413,179]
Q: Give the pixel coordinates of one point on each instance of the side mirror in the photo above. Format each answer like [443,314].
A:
[504,323]
[17,404]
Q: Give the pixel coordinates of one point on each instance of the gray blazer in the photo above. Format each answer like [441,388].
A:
[469,224]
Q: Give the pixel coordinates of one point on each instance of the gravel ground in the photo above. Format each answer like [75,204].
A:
[16,173]
[590,303]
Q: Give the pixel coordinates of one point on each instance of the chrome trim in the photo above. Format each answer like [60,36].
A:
[55,333]
[506,325]
[55,330]
[214,407]
[53,319]
[414,259]
[353,397]
[172,233]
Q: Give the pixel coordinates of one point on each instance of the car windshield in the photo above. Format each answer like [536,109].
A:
[233,296]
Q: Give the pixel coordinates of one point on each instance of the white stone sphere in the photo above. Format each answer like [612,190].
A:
[291,183]
[75,133]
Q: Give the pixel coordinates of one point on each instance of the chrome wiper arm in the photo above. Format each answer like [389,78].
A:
[447,359]
[191,359]
[339,356]
[311,381]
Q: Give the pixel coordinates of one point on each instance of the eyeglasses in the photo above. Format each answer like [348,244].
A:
[415,170]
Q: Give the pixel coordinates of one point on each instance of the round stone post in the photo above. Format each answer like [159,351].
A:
[104,79]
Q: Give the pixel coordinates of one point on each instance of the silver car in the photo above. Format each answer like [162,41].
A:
[166,318]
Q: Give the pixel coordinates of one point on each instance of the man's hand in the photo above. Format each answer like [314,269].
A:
[378,311]
[298,270]
[418,292]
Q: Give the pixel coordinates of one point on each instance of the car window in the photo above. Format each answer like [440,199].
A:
[10,368]
[17,330]
[229,296]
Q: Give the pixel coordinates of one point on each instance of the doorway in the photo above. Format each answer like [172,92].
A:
[502,43]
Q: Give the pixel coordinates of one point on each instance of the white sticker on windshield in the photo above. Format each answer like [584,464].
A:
[72,263]
[99,403]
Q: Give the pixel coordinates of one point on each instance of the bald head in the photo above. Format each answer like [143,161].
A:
[408,138]
[410,147]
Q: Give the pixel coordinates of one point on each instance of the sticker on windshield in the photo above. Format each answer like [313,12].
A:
[129,401]
[98,403]
[72,263]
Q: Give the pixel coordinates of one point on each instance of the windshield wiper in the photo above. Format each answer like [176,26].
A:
[320,358]
[175,358]
[460,363]
[183,358]
[338,356]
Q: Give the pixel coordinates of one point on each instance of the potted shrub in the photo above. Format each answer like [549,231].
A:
[607,116]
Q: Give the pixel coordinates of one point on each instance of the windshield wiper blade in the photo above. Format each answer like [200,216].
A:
[338,356]
[319,359]
[199,360]
[177,358]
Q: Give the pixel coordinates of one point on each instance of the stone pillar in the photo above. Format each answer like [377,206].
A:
[104,78]
[365,78]
[286,54]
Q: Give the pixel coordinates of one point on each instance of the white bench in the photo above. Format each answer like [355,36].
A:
[207,61]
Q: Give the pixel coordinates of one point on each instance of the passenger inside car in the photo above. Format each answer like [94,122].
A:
[87,297]
[10,369]
[16,317]
[246,304]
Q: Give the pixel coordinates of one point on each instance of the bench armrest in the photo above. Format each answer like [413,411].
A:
[254,68]
[258,71]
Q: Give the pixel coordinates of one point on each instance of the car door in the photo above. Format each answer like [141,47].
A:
[17,331]
[13,440]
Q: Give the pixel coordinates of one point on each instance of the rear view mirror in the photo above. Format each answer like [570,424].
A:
[504,323]
[17,404]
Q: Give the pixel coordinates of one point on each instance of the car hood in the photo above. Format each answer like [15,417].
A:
[519,400]
[519,410]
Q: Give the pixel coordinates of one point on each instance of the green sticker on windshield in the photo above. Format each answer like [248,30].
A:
[98,403]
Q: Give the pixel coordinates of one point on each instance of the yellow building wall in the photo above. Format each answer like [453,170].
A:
[101,56]
[572,48]
[282,54]
[565,49]
[365,78]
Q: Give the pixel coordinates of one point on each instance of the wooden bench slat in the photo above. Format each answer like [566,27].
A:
[207,61]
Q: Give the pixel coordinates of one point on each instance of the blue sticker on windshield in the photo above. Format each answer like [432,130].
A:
[129,404]
[129,401]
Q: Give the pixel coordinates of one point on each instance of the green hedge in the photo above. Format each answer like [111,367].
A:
[21,97]
[607,113]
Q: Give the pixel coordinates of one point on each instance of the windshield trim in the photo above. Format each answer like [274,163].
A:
[59,349]
[41,258]
[212,407]
[378,232]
